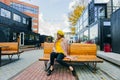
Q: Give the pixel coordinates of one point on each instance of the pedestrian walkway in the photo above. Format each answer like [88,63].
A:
[105,71]
[110,56]
[29,68]
[36,72]
[26,59]
[111,68]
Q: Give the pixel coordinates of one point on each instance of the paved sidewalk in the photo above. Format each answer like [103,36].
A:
[36,72]
[29,68]
[26,59]
[111,68]
[110,56]
[105,71]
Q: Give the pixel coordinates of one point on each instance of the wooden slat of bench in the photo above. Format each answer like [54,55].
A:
[76,60]
[83,49]
[47,59]
[48,47]
[10,52]
[88,60]
[11,46]
[85,58]
[80,58]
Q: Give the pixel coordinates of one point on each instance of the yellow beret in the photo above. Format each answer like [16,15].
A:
[60,32]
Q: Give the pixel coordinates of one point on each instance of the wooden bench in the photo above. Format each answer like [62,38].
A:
[10,49]
[85,53]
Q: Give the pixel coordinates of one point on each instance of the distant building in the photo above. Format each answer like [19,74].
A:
[14,24]
[28,9]
[67,33]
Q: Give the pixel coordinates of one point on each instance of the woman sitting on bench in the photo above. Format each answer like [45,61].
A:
[59,52]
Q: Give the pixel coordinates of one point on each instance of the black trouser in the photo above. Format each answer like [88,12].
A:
[59,58]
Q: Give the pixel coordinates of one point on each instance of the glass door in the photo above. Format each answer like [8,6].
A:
[21,38]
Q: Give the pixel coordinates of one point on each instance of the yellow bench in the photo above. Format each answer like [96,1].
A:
[85,53]
[10,49]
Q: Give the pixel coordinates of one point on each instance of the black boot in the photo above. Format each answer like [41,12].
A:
[49,72]
[74,72]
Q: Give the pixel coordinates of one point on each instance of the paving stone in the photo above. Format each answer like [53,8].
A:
[36,72]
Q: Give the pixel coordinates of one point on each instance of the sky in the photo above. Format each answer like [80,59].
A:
[53,15]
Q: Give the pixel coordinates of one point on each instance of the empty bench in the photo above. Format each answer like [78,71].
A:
[10,49]
[85,53]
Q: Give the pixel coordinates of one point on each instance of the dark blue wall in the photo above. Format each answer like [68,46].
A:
[115,19]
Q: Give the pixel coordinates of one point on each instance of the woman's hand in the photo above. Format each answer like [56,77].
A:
[71,57]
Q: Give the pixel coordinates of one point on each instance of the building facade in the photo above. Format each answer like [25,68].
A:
[14,24]
[28,9]
[95,25]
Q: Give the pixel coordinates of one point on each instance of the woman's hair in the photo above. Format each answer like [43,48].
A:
[61,33]
[62,36]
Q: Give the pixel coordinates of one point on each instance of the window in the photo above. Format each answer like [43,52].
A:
[16,17]
[24,20]
[85,36]
[116,3]
[37,38]
[81,36]
[85,23]
[96,13]
[86,33]
[24,8]
[31,37]
[102,12]
[85,15]
[34,29]
[5,13]
[34,23]
[14,36]
[27,22]
[81,27]
[34,18]
[81,21]
[94,32]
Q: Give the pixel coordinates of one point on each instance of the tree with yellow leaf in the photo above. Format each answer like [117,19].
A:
[74,16]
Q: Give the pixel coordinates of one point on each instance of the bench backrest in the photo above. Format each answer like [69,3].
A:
[83,49]
[10,46]
[74,49]
[48,47]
